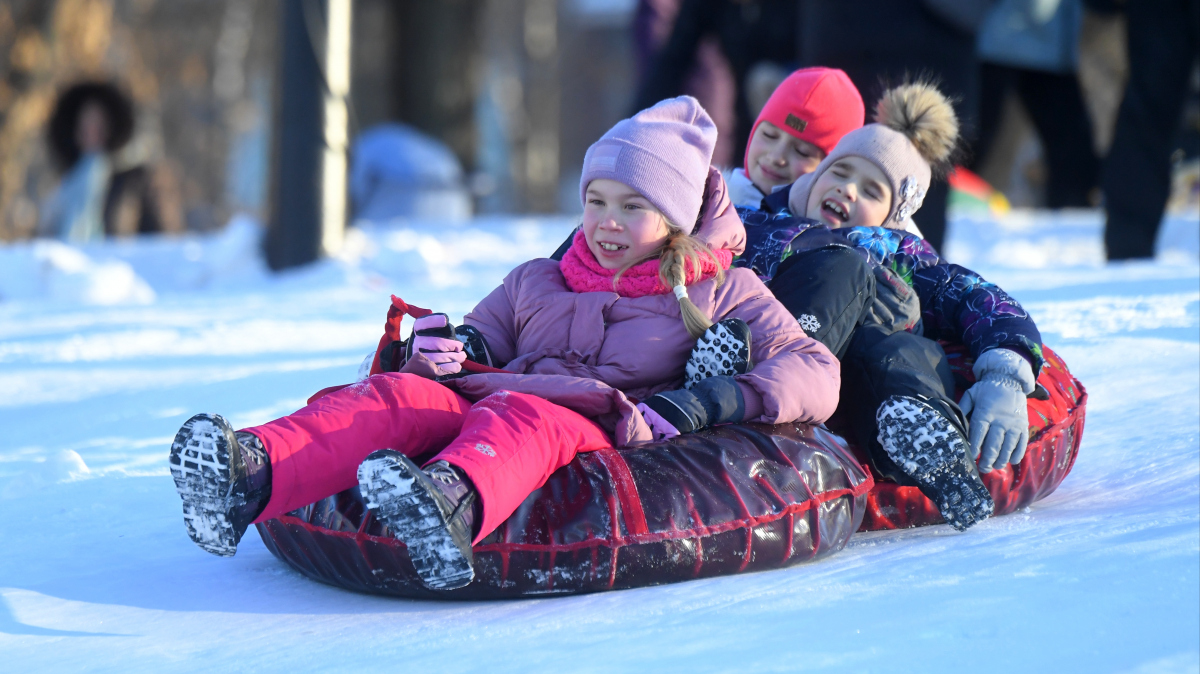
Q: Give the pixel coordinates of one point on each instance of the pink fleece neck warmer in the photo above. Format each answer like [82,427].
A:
[585,275]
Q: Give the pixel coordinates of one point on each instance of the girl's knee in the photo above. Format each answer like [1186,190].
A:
[507,399]
[394,378]
[410,390]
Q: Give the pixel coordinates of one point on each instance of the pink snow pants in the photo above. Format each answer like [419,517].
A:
[507,443]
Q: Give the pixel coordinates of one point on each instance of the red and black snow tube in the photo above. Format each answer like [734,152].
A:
[1055,430]
[728,500]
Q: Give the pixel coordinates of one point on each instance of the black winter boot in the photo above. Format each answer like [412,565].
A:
[224,479]
[926,446]
[722,351]
[432,511]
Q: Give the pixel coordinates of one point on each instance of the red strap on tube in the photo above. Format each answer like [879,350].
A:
[391,333]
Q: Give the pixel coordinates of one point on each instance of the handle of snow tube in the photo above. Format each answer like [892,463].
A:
[391,333]
[479,368]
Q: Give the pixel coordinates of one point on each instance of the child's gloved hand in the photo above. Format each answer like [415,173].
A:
[433,336]
[996,406]
[715,400]
[662,429]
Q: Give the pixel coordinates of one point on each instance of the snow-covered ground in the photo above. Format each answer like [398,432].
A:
[105,351]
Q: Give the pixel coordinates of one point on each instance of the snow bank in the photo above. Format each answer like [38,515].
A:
[1032,239]
[49,270]
[438,254]
[429,252]
[64,465]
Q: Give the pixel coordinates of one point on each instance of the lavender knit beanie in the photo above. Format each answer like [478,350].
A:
[915,129]
[663,152]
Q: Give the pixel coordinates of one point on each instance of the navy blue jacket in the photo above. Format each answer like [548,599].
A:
[957,305]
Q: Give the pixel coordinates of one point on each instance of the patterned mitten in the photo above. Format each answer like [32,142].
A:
[722,351]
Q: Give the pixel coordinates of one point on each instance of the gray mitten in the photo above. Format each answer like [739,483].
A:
[996,407]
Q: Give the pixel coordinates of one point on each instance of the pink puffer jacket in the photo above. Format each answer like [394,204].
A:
[552,337]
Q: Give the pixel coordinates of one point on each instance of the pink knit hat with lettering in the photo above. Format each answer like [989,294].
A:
[914,134]
[663,152]
[818,105]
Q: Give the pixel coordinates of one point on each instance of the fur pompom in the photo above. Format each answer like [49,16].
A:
[924,114]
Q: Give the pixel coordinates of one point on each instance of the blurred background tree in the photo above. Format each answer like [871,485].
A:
[199,74]
[515,89]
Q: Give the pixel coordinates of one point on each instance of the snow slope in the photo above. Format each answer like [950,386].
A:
[104,352]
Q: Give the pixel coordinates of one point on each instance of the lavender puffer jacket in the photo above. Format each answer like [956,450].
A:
[535,325]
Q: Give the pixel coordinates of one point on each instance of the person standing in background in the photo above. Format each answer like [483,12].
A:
[880,42]
[1032,46]
[748,32]
[90,124]
[1163,46]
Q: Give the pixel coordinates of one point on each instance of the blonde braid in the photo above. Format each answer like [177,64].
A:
[674,255]
[677,252]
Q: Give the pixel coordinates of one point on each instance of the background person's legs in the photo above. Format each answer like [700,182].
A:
[1163,45]
[1054,102]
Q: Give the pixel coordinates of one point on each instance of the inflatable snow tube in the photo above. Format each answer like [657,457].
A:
[728,500]
[1055,430]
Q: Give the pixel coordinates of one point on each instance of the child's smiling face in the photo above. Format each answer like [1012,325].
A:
[777,158]
[620,225]
[853,192]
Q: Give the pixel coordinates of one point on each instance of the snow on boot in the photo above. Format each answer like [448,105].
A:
[224,479]
[931,450]
[722,351]
[432,511]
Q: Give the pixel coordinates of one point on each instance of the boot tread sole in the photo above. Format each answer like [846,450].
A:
[930,450]
[390,488]
[200,467]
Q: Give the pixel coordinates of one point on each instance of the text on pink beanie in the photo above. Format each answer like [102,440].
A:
[818,105]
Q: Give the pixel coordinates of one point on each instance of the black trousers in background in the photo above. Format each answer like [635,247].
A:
[1054,102]
[880,43]
[835,287]
[1163,45]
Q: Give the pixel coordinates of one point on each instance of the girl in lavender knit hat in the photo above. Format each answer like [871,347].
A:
[578,341]
[833,249]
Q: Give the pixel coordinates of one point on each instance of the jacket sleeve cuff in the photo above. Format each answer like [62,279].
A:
[1005,363]
[752,400]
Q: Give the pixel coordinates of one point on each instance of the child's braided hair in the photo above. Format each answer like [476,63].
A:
[678,252]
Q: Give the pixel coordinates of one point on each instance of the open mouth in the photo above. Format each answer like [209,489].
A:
[835,210]
[611,247]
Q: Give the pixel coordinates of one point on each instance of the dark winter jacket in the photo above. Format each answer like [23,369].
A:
[957,304]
